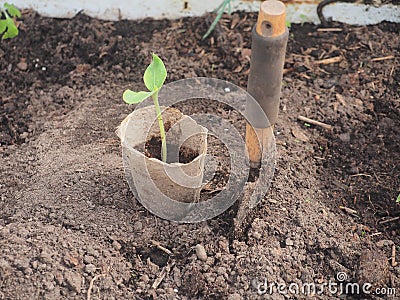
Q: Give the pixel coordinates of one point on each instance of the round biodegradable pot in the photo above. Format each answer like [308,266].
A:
[162,187]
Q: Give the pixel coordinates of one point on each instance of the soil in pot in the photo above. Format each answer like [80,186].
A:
[153,150]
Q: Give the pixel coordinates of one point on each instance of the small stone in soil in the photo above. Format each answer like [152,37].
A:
[289,242]
[221,270]
[92,252]
[90,268]
[88,259]
[117,246]
[22,65]
[344,137]
[201,252]
[138,226]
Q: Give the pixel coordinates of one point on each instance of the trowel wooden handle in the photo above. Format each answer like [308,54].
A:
[271,22]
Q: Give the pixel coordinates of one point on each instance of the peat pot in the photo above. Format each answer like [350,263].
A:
[165,189]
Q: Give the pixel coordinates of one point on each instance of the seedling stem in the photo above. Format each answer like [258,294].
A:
[161,125]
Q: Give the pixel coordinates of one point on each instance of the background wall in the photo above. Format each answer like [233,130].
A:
[298,11]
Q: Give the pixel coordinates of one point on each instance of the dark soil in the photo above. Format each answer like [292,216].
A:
[69,225]
[153,149]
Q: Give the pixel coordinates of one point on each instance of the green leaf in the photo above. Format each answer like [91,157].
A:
[132,97]
[12,10]
[3,26]
[398,199]
[12,30]
[155,74]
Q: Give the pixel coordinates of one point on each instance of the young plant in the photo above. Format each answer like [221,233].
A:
[7,23]
[219,10]
[153,78]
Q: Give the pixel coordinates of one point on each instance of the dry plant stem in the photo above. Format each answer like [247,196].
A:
[348,210]
[161,125]
[389,220]
[393,258]
[383,58]
[162,275]
[330,60]
[89,292]
[158,245]
[314,122]
[329,29]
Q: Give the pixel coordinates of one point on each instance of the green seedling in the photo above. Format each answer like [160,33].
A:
[8,28]
[304,19]
[398,199]
[153,78]
[219,10]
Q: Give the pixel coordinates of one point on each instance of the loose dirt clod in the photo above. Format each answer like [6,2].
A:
[74,281]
